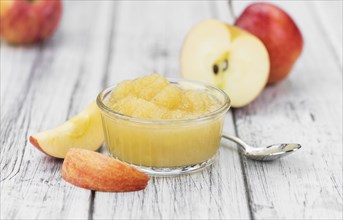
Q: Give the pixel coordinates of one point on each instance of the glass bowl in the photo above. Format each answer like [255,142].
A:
[165,147]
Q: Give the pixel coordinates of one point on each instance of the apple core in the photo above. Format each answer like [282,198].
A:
[228,57]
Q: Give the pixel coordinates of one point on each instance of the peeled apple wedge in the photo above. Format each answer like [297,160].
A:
[82,131]
[228,57]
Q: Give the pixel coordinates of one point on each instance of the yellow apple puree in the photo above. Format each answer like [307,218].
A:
[155,123]
[154,97]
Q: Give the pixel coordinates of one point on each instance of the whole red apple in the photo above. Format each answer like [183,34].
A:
[29,21]
[278,32]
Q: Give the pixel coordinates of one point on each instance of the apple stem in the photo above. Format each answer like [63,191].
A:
[232,12]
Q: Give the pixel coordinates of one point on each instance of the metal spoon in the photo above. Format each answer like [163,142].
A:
[268,153]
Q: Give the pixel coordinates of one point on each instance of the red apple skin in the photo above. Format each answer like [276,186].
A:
[92,170]
[29,21]
[35,143]
[279,33]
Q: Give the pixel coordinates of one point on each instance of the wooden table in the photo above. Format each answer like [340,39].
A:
[103,42]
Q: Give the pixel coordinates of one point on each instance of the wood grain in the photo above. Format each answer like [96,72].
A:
[328,16]
[101,43]
[306,108]
[153,46]
[45,84]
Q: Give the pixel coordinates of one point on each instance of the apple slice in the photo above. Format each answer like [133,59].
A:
[82,131]
[228,57]
[94,171]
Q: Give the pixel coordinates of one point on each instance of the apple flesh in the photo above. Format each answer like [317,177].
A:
[82,131]
[94,171]
[228,57]
[279,33]
[29,21]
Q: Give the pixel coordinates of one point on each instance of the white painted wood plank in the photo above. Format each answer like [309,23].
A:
[43,87]
[305,108]
[329,16]
[305,185]
[148,37]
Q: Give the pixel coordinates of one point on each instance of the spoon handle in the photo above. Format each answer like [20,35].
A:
[235,139]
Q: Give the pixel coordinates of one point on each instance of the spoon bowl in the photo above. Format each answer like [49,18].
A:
[268,153]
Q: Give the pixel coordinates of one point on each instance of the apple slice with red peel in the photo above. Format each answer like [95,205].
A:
[228,57]
[95,171]
[82,131]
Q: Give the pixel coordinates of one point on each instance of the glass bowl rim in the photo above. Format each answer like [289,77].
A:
[207,116]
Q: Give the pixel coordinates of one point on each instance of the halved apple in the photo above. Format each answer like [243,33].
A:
[228,57]
[82,131]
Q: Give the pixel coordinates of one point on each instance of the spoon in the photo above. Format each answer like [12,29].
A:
[268,153]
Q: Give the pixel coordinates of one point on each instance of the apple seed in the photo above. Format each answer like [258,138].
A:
[215,69]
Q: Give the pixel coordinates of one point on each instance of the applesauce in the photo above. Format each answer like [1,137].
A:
[162,127]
